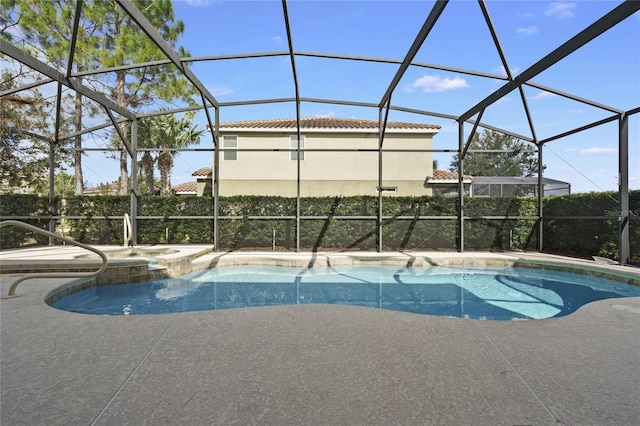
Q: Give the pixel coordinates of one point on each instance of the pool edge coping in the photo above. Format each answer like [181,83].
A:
[413,259]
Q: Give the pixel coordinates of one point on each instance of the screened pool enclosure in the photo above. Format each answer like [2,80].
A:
[453,65]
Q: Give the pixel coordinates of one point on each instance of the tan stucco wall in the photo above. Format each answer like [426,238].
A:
[318,188]
[204,187]
[326,173]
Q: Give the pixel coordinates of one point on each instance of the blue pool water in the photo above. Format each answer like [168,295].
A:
[479,293]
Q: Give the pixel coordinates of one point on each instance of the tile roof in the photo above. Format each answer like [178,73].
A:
[102,189]
[325,123]
[186,187]
[446,175]
[202,172]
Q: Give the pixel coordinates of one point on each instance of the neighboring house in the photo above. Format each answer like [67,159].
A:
[25,184]
[202,185]
[502,186]
[446,183]
[5,188]
[272,167]
[350,170]
[103,189]
[188,188]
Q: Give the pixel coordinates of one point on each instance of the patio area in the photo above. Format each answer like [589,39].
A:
[315,365]
[313,129]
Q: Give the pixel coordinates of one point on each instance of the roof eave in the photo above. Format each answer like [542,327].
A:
[448,181]
[369,130]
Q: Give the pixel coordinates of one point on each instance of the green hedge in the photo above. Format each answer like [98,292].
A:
[23,205]
[94,230]
[501,234]
[589,237]
[402,230]
[178,231]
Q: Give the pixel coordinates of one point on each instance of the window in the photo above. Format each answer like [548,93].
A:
[228,143]
[294,145]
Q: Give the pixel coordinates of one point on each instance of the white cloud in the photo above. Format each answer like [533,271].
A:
[276,39]
[527,31]
[502,71]
[436,83]
[221,90]
[560,10]
[542,95]
[599,151]
[575,110]
[324,114]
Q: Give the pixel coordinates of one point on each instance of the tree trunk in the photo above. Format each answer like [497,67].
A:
[165,164]
[77,155]
[147,170]
[124,155]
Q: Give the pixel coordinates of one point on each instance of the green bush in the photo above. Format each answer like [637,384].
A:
[23,205]
[95,230]
[590,237]
[324,227]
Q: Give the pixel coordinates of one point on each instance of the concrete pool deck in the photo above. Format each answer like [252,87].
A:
[315,365]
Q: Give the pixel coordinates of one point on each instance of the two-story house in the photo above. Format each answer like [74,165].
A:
[338,156]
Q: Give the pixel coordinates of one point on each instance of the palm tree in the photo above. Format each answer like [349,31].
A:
[147,164]
[148,131]
[64,184]
[167,133]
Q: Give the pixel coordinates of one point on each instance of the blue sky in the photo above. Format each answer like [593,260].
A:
[606,70]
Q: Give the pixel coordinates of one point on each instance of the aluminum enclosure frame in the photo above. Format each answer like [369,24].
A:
[608,21]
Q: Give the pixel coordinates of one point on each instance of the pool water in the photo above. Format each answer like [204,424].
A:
[477,293]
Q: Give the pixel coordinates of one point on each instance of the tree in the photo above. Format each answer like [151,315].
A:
[148,135]
[25,135]
[107,37]
[63,185]
[147,164]
[518,160]
[125,43]
[168,133]
[47,27]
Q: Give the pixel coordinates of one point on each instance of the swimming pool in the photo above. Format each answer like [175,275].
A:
[493,293]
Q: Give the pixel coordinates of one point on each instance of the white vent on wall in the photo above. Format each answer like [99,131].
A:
[392,189]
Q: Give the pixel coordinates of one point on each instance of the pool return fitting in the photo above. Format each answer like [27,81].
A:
[12,289]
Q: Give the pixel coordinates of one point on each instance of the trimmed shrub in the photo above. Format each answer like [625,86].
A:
[167,220]
[23,205]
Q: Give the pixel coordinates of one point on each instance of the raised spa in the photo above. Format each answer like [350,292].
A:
[493,293]
[124,253]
